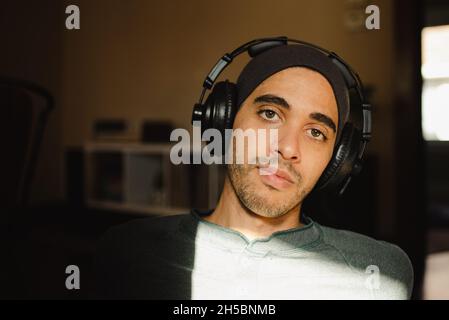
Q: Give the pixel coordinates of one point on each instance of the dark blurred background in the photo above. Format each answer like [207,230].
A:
[86,116]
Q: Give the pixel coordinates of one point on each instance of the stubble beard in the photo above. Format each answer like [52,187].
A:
[252,199]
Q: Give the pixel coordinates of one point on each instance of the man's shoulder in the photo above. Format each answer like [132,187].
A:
[358,244]
[156,223]
[125,256]
[142,231]
[367,254]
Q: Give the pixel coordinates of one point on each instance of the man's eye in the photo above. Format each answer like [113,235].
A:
[268,114]
[317,134]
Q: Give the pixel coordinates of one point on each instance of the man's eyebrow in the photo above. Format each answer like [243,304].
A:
[318,116]
[270,98]
[323,119]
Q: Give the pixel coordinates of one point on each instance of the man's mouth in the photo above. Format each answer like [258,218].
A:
[279,179]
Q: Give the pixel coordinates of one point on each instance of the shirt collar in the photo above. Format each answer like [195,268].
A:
[203,231]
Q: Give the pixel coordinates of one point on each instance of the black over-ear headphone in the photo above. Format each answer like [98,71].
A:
[220,108]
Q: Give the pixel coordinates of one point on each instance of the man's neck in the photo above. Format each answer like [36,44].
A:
[230,213]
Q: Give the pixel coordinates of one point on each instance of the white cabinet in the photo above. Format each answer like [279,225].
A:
[140,178]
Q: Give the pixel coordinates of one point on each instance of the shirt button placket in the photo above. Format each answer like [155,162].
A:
[247,275]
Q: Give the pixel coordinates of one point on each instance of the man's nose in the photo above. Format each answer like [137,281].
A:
[288,144]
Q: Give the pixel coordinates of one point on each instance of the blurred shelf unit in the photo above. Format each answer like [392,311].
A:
[140,178]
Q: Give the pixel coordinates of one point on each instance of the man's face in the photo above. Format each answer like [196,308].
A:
[300,103]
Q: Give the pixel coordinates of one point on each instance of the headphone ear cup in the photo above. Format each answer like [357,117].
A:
[220,107]
[231,105]
[343,160]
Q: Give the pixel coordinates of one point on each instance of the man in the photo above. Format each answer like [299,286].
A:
[258,243]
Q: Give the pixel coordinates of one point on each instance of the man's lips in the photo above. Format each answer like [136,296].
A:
[279,179]
[284,175]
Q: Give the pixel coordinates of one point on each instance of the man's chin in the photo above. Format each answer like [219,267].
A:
[270,211]
[276,198]
[262,198]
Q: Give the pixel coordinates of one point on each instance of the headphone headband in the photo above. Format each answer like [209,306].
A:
[257,46]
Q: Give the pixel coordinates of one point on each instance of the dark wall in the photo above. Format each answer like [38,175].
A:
[30,37]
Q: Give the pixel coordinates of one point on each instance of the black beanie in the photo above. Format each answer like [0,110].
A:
[274,60]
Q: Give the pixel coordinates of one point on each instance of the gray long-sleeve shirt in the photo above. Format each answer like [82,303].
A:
[187,257]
